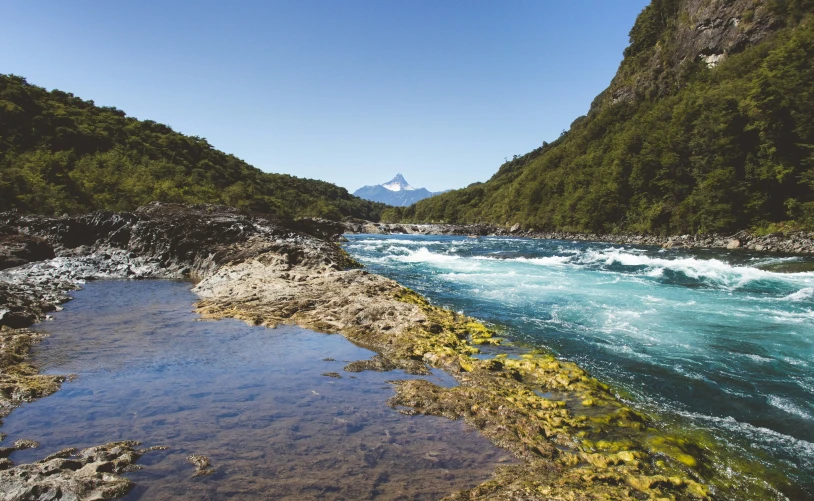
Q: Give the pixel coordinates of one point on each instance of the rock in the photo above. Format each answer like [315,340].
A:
[155,241]
[90,474]
[202,465]
[18,249]
[733,244]
[515,228]
[19,380]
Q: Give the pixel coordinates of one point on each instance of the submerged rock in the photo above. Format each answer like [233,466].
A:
[202,465]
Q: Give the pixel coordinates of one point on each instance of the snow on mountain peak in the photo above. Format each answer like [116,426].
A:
[396,192]
[398,183]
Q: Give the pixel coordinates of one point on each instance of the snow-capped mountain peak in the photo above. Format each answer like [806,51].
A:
[398,183]
[397,192]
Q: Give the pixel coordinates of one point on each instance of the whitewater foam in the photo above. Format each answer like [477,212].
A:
[658,325]
[541,261]
[804,294]
[713,271]
[786,405]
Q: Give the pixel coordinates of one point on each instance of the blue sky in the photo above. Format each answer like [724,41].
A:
[349,91]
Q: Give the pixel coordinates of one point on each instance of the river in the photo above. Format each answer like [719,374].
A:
[701,339]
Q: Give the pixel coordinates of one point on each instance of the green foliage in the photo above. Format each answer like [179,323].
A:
[732,148]
[651,26]
[59,154]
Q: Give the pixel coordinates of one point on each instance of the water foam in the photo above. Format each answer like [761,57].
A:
[712,271]
[787,405]
[804,294]
[541,261]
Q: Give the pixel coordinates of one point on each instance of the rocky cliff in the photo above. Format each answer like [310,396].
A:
[672,38]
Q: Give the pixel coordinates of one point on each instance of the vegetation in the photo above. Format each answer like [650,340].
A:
[723,148]
[59,153]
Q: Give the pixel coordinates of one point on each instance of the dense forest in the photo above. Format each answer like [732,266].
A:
[685,140]
[59,153]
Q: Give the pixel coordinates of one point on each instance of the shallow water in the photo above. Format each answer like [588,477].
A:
[252,399]
[705,339]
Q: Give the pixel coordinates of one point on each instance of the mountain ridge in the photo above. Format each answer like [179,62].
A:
[396,192]
[62,154]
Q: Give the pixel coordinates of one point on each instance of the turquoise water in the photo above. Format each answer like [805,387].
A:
[705,339]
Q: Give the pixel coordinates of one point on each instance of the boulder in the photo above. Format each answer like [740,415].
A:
[733,244]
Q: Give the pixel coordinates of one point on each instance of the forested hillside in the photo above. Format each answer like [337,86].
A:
[59,153]
[707,127]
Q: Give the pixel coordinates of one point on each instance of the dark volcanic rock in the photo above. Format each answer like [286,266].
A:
[155,241]
[17,249]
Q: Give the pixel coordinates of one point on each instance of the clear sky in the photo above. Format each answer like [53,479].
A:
[349,91]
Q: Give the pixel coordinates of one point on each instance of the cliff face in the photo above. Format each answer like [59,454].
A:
[672,38]
[707,127]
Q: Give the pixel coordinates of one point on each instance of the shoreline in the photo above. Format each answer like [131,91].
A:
[798,243]
[579,440]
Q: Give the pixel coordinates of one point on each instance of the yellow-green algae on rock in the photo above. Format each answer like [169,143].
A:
[578,440]
[562,441]
[19,380]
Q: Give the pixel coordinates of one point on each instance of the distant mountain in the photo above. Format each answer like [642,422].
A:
[397,192]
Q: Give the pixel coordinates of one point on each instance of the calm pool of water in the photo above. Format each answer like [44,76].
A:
[254,400]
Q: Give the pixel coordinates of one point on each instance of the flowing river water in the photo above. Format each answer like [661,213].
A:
[256,401]
[702,339]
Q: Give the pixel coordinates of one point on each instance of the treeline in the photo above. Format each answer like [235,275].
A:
[59,153]
[732,148]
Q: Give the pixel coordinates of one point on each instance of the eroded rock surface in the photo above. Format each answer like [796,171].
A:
[19,380]
[71,475]
[155,241]
[17,249]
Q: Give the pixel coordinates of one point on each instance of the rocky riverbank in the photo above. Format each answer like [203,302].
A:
[575,438]
[799,242]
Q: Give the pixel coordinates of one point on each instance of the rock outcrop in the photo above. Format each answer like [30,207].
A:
[670,36]
[71,475]
[17,249]
[19,380]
